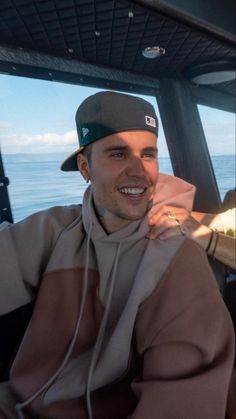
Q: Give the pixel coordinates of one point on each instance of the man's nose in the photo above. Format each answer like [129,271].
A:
[135,167]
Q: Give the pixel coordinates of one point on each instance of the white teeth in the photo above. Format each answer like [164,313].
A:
[132,191]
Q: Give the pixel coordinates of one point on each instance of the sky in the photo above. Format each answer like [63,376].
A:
[37,116]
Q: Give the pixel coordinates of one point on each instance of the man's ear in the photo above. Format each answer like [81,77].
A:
[83,166]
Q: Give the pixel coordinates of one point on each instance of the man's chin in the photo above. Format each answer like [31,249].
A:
[134,215]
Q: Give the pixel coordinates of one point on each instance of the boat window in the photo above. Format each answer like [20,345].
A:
[37,132]
[219,128]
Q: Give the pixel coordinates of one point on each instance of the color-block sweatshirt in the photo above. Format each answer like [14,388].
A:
[123,327]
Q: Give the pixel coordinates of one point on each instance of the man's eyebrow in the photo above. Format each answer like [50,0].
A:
[125,147]
[155,149]
[116,147]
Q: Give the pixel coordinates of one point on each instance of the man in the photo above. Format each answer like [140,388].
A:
[123,327]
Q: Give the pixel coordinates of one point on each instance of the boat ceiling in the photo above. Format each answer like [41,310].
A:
[89,35]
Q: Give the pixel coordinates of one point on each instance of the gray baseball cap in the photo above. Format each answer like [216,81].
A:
[106,113]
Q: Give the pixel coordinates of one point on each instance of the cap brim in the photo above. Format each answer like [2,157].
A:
[70,163]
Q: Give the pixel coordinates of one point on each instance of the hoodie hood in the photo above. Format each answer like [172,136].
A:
[171,190]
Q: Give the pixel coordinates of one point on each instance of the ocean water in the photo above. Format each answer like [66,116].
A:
[36,181]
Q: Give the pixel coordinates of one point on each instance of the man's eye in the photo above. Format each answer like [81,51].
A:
[149,156]
[118,155]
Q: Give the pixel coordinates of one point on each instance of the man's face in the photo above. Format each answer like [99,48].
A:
[123,171]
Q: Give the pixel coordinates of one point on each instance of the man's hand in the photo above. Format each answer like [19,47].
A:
[170,221]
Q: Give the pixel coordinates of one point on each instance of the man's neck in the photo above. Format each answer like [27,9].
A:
[109,221]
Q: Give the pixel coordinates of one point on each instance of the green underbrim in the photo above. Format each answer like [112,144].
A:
[70,163]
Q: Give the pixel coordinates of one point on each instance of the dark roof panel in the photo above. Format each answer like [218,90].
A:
[110,32]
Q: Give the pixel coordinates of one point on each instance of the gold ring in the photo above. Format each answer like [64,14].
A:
[171,215]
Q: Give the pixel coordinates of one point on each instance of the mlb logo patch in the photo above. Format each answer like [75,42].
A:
[150,121]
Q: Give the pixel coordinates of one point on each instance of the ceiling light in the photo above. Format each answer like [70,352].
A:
[212,73]
[153,52]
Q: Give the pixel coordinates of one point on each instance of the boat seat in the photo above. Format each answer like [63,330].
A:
[12,326]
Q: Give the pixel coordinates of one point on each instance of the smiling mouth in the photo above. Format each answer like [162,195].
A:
[132,191]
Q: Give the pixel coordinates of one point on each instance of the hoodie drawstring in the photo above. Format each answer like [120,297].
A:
[100,336]
[20,406]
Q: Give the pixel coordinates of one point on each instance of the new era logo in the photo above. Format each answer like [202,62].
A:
[85,131]
[150,121]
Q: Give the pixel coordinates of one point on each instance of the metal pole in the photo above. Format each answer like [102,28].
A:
[5,208]
[186,142]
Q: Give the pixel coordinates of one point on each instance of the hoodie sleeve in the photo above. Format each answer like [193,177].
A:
[25,249]
[228,219]
[171,190]
[186,340]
